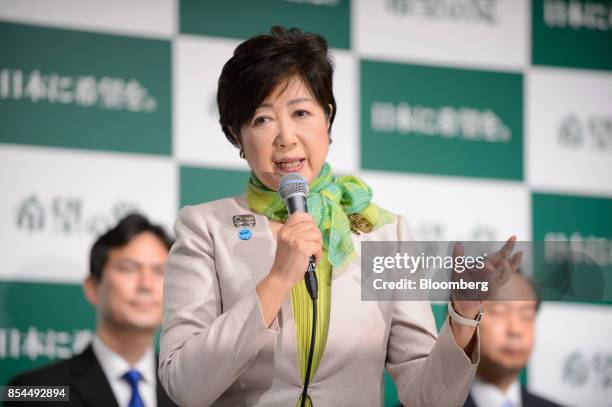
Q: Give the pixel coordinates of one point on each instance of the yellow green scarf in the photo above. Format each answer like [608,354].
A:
[330,201]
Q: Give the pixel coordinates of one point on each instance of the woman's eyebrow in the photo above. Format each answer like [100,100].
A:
[291,102]
[298,100]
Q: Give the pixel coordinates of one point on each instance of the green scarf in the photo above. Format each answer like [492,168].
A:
[330,201]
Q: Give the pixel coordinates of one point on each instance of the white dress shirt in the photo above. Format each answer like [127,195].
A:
[114,367]
[488,395]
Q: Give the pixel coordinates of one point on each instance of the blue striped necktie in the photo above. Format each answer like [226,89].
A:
[133,377]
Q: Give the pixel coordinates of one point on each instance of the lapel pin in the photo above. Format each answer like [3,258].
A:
[245,234]
[247,220]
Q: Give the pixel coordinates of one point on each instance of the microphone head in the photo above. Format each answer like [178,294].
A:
[292,184]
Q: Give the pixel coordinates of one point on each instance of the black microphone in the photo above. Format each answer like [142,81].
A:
[293,189]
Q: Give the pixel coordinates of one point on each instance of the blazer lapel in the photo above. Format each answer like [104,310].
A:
[469,402]
[162,398]
[90,384]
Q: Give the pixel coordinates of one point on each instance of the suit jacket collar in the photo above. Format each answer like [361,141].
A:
[162,398]
[469,402]
[90,383]
[91,386]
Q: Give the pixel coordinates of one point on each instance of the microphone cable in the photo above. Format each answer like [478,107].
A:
[311,286]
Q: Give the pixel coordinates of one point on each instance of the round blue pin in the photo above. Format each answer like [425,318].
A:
[245,234]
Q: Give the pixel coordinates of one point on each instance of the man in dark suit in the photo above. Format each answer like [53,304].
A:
[506,341]
[125,285]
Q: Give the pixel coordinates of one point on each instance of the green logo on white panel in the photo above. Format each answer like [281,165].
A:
[592,133]
[441,121]
[66,215]
[483,11]
[583,370]
[438,231]
[83,90]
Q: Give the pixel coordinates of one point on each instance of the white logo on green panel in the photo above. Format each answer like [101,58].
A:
[580,247]
[445,121]
[35,343]
[107,92]
[591,132]
[577,15]
[483,11]
[66,216]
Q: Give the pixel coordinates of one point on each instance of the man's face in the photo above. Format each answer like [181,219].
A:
[507,333]
[130,292]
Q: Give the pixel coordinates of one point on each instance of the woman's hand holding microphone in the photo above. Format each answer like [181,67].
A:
[297,240]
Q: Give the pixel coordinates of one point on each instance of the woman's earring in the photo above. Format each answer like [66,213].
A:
[242,153]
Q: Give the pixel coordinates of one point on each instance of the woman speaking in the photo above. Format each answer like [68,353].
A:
[237,315]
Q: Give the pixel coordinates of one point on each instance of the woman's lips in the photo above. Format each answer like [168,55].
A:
[290,166]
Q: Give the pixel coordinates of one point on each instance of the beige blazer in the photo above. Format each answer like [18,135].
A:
[216,349]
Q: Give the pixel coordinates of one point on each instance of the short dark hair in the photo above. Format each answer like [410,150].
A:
[128,228]
[261,63]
